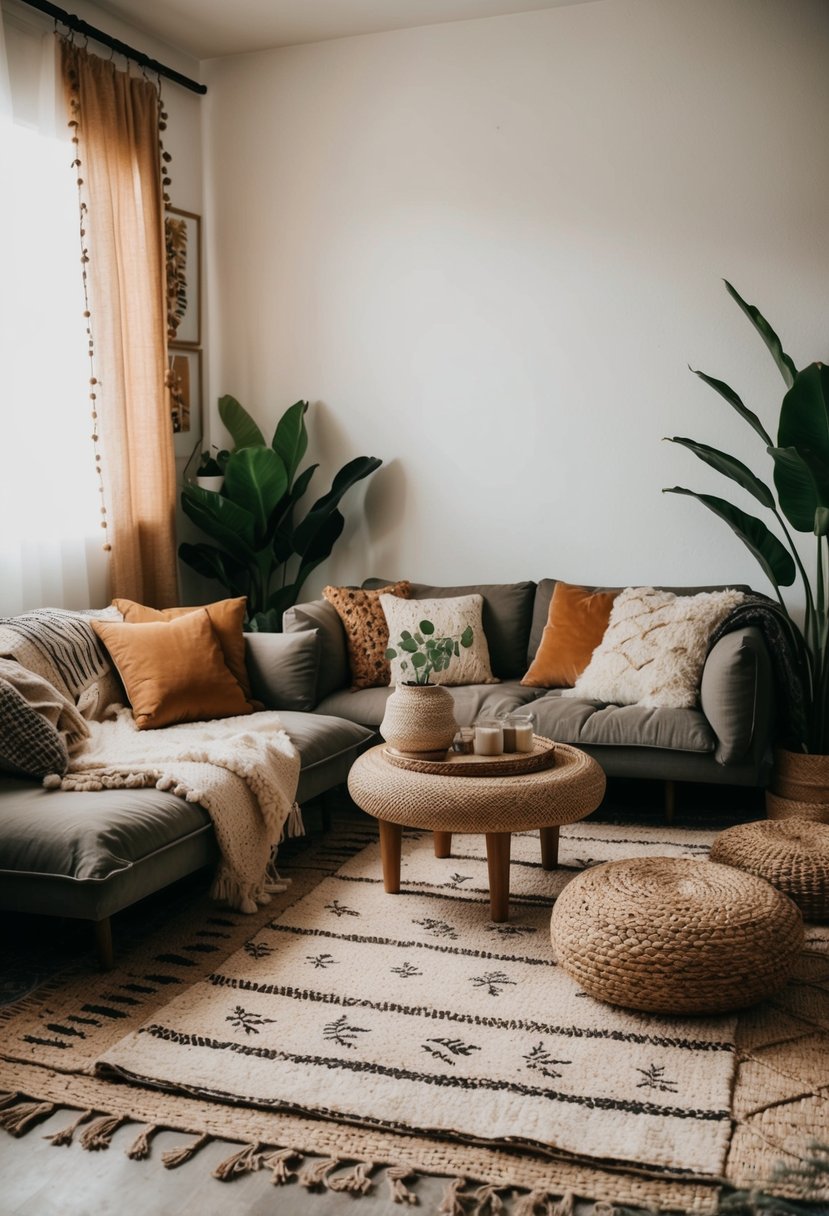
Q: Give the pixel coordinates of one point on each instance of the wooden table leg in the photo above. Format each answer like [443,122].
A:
[497,860]
[443,844]
[549,847]
[391,835]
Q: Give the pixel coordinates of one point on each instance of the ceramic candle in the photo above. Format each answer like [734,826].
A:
[489,738]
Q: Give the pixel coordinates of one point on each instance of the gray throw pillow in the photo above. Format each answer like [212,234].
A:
[283,668]
[29,744]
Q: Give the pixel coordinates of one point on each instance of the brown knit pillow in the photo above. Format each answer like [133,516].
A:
[366,631]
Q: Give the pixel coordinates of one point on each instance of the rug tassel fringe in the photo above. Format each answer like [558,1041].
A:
[452,1202]
[67,1134]
[172,1158]
[277,1163]
[139,1150]
[100,1132]
[245,1161]
[315,1177]
[398,1193]
[487,1202]
[356,1181]
[542,1203]
[8,1097]
[19,1117]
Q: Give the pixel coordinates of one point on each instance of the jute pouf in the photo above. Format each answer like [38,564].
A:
[674,935]
[791,854]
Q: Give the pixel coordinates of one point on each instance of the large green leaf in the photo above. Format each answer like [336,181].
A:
[785,365]
[729,466]
[244,431]
[225,521]
[211,562]
[733,400]
[770,552]
[803,488]
[255,478]
[283,541]
[290,439]
[804,414]
[348,475]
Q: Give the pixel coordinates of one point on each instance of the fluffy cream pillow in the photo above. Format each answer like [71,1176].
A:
[653,650]
[450,617]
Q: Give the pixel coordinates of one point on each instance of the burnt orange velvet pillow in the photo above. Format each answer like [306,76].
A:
[575,625]
[226,616]
[173,671]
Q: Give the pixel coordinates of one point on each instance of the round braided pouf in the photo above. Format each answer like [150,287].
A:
[673,935]
[791,854]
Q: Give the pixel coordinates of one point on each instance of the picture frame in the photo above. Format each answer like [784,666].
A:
[182,243]
[184,398]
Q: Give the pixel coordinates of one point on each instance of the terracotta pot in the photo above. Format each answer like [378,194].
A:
[419,719]
[799,787]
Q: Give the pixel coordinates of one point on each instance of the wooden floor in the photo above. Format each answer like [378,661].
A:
[39,1179]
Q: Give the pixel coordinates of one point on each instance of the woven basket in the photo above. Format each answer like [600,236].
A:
[792,854]
[419,718]
[673,935]
[799,787]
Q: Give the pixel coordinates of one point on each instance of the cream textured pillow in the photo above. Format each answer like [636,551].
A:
[450,617]
[654,648]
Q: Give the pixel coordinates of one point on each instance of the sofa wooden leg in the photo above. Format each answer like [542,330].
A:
[103,942]
[670,801]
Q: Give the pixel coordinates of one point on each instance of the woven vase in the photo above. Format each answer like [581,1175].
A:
[799,787]
[419,719]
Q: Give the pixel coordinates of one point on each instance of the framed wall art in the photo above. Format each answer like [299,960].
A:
[182,239]
[184,399]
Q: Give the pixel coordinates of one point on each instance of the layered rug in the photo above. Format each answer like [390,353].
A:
[354,1030]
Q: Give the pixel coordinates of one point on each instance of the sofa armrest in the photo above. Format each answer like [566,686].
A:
[333,672]
[283,668]
[737,695]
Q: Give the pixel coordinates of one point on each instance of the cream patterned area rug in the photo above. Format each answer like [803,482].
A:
[410,1031]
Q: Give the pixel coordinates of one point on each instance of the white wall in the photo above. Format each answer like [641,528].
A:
[487,252]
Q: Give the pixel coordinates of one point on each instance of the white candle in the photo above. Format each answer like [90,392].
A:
[489,740]
[523,736]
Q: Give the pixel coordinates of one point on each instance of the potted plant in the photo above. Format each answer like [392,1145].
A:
[261,550]
[799,500]
[210,470]
[420,716]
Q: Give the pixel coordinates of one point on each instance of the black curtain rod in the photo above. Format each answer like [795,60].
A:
[82,27]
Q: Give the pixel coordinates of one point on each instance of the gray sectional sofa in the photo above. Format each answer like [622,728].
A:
[89,855]
[726,740]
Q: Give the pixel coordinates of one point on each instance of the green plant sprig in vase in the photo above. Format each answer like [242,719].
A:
[799,500]
[427,653]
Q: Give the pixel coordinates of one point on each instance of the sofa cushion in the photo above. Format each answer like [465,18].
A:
[591,723]
[451,618]
[283,668]
[575,626]
[226,617]
[472,701]
[173,671]
[366,630]
[736,691]
[332,672]
[654,648]
[507,613]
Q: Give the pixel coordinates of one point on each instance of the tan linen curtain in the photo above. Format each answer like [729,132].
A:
[123,225]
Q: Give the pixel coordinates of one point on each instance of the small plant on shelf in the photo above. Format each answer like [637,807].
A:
[427,653]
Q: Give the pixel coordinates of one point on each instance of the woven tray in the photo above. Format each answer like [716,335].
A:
[457,764]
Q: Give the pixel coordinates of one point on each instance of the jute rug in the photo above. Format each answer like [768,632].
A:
[410,1032]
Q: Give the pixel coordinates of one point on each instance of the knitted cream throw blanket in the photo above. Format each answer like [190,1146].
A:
[242,770]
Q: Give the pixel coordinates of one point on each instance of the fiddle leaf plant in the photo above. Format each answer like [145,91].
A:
[426,653]
[260,549]
[799,500]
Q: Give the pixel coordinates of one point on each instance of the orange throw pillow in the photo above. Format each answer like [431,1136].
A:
[226,616]
[173,671]
[575,625]
[366,630]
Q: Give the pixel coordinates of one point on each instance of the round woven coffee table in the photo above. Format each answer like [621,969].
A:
[495,806]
